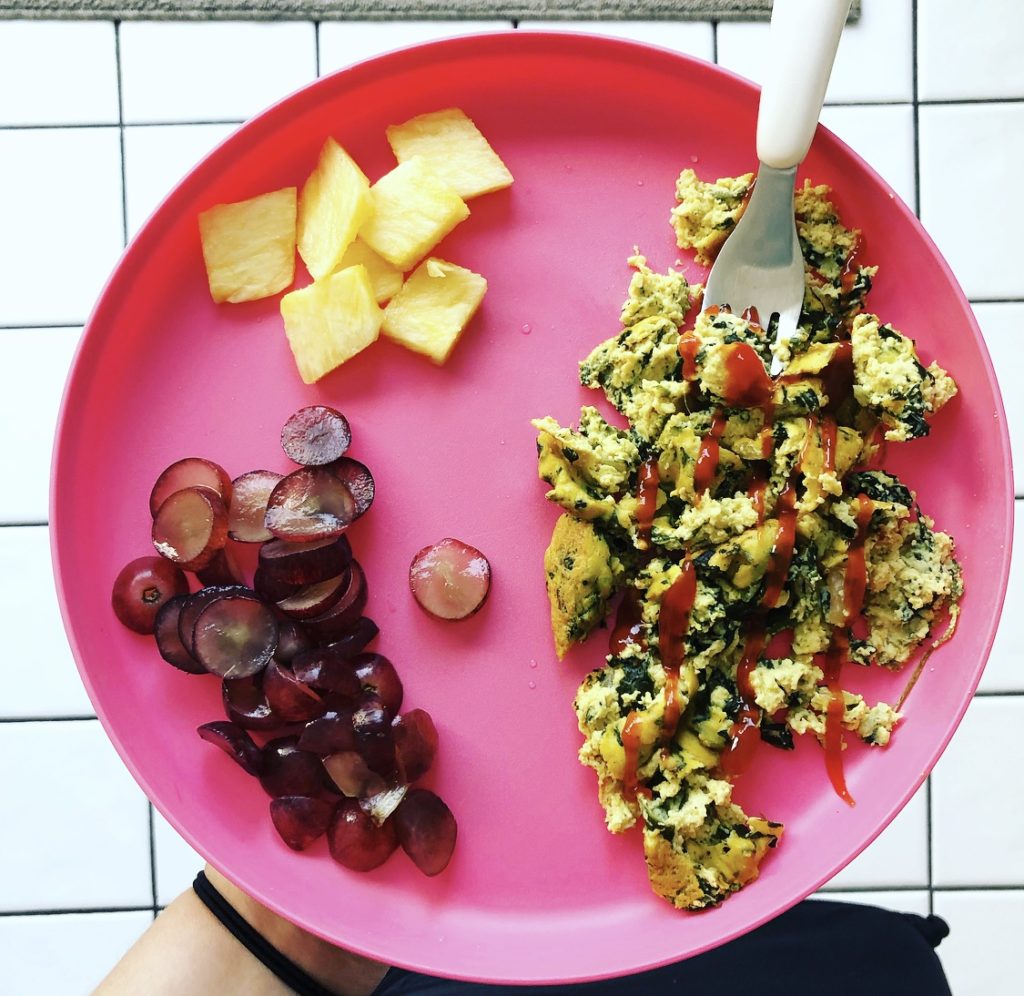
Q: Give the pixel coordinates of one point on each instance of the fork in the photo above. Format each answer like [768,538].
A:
[760,267]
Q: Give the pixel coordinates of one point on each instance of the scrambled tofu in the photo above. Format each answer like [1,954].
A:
[755,507]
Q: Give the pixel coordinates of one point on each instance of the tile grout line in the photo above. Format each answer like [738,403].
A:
[152,854]
[316,47]
[120,131]
[24,524]
[71,911]
[714,41]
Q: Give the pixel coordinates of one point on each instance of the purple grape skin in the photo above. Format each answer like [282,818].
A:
[356,842]
[168,641]
[236,743]
[301,819]
[426,829]
[287,770]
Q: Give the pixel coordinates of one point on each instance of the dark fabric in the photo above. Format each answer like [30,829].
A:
[839,949]
[284,968]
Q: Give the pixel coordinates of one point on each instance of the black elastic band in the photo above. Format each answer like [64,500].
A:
[284,968]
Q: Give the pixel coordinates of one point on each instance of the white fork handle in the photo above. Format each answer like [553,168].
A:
[801,49]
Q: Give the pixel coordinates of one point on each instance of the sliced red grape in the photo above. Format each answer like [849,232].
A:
[309,504]
[190,527]
[141,589]
[222,570]
[356,842]
[235,636]
[315,599]
[328,670]
[357,478]
[377,675]
[168,642]
[426,829]
[293,701]
[198,601]
[415,743]
[300,819]
[350,772]
[192,472]
[287,770]
[291,641]
[270,589]
[382,804]
[246,704]
[352,642]
[331,733]
[299,564]
[339,618]
[374,736]
[450,580]
[235,742]
[249,496]
[315,435]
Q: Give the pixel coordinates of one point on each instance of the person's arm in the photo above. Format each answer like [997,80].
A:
[188,950]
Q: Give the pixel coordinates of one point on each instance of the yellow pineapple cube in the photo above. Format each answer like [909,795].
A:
[330,321]
[412,211]
[333,204]
[433,307]
[384,278]
[454,149]
[249,246]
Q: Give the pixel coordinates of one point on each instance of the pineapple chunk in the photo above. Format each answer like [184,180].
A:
[249,246]
[433,307]
[412,211]
[384,278]
[330,321]
[454,149]
[334,202]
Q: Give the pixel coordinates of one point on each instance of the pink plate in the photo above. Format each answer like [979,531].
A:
[595,132]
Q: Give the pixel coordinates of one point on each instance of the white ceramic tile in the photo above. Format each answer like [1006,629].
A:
[65,954]
[176,862]
[1005,669]
[977,806]
[60,222]
[38,361]
[37,673]
[345,42]
[884,135]
[75,827]
[897,856]
[157,157]
[1003,328]
[970,174]
[981,955]
[688,37]
[57,72]
[213,70]
[873,61]
[969,49]
[900,901]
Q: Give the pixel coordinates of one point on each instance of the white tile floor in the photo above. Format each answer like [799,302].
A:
[92,160]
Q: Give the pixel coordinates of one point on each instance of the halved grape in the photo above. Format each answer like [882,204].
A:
[142,587]
[235,742]
[309,504]
[190,527]
[339,618]
[198,601]
[249,496]
[270,589]
[291,641]
[374,736]
[246,704]
[415,743]
[300,564]
[382,804]
[293,701]
[350,772]
[356,842]
[426,829]
[325,669]
[315,599]
[357,478]
[450,579]
[315,435]
[331,733]
[300,819]
[235,636]
[168,642]
[363,631]
[192,472]
[377,675]
[287,770]
[222,570]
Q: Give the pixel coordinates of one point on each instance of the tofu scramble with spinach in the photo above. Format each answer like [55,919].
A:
[725,516]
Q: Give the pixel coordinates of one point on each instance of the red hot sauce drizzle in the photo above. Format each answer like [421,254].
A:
[689,346]
[628,626]
[631,764]
[829,432]
[747,384]
[707,457]
[837,377]
[673,624]
[646,501]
